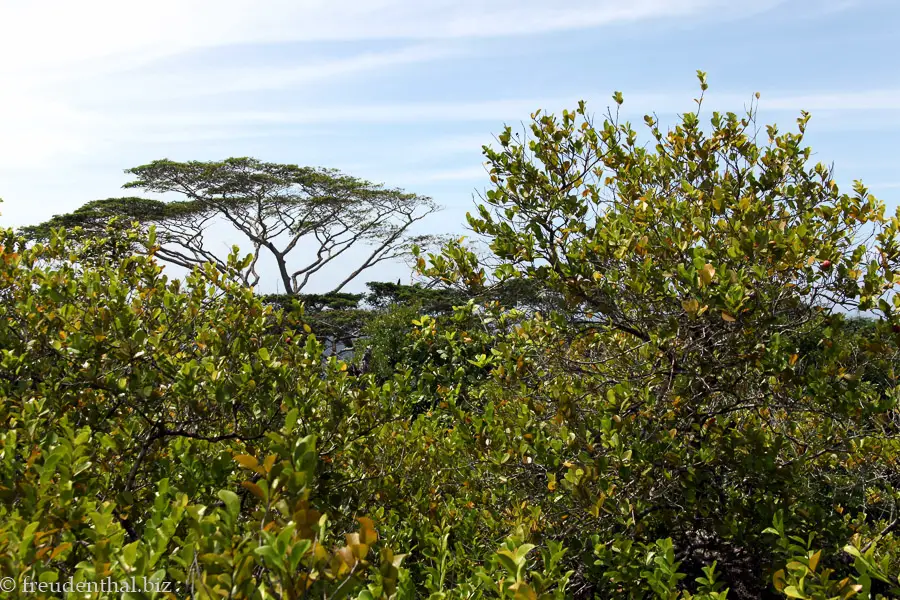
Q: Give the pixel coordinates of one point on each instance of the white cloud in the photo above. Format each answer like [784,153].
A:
[34,128]
[490,110]
[101,45]
[58,34]
[513,111]
[73,72]
[40,123]
[216,80]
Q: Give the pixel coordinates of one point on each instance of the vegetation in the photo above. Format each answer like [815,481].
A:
[677,379]
[278,209]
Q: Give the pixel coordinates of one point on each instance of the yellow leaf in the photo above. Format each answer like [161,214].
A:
[255,489]
[307,328]
[814,561]
[690,306]
[707,274]
[778,580]
[523,591]
[795,565]
[246,461]
[346,557]
[60,549]
[367,533]
[269,462]
[794,358]
[360,550]
[727,317]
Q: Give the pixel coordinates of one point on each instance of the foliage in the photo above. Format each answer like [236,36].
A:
[659,389]
[276,208]
[693,274]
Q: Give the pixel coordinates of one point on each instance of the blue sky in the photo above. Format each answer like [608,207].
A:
[405,92]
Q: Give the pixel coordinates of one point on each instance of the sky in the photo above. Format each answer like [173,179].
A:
[405,92]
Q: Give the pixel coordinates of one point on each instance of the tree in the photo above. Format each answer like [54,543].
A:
[279,209]
[700,361]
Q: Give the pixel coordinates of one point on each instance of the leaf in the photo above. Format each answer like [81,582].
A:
[271,556]
[707,274]
[60,549]
[255,489]
[367,533]
[727,317]
[690,306]
[231,500]
[247,461]
[507,560]
[290,420]
[522,551]
[298,551]
[792,592]
[523,592]
[814,560]
[778,579]
[269,463]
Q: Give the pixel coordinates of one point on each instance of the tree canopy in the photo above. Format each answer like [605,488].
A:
[282,212]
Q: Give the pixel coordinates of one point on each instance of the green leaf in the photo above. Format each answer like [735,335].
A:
[232,502]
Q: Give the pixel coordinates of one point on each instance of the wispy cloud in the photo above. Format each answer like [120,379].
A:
[218,79]
[44,128]
[80,74]
[516,110]
[489,110]
[59,34]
